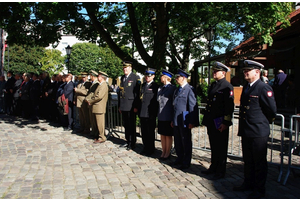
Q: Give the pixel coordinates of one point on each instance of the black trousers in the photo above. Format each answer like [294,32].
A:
[70,114]
[148,133]
[255,162]
[35,109]
[219,147]
[129,119]
[183,144]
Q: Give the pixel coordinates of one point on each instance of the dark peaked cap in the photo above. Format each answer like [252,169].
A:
[250,64]
[220,67]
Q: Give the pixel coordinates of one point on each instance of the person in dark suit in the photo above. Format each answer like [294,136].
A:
[25,97]
[35,93]
[217,118]
[68,92]
[165,113]
[8,93]
[185,118]
[148,111]
[280,85]
[128,98]
[44,101]
[257,110]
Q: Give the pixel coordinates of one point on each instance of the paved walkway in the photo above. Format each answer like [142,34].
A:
[43,161]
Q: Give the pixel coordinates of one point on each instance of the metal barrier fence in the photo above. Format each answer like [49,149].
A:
[276,146]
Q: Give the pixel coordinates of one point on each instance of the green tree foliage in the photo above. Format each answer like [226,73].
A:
[89,56]
[162,33]
[23,58]
[52,61]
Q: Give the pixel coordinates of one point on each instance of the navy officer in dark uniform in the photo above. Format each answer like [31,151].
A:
[257,111]
[128,98]
[148,111]
[217,118]
[185,118]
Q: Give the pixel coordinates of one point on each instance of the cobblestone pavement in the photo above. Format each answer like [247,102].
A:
[41,161]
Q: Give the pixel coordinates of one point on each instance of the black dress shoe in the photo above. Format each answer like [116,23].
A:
[243,188]
[128,148]
[209,171]
[182,167]
[176,162]
[256,195]
[217,176]
[143,152]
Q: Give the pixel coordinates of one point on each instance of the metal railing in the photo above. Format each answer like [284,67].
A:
[276,145]
[292,145]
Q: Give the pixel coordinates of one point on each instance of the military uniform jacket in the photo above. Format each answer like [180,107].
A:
[165,101]
[92,90]
[257,110]
[128,95]
[183,101]
[98,99]
[148,102]
[81,92]
[220,103]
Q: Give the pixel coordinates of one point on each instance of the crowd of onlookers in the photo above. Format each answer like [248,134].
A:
[33,96]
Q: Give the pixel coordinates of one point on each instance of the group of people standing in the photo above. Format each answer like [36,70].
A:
[36,97]
[257,111]
[177,112]
[174,108]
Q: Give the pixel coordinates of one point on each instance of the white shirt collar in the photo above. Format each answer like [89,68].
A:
[253,82]
[183,85]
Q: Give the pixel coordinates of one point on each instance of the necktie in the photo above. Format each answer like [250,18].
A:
[247,88]
[179,89]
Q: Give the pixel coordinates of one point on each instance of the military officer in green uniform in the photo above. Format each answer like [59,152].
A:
[90,94]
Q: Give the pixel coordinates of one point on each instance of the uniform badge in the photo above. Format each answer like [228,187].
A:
[129,83]
[270,93]
[231,93]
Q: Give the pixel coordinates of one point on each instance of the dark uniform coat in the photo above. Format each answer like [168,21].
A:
[129,92]
[220,104]
[147,113]
[257,110]
[148,104]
